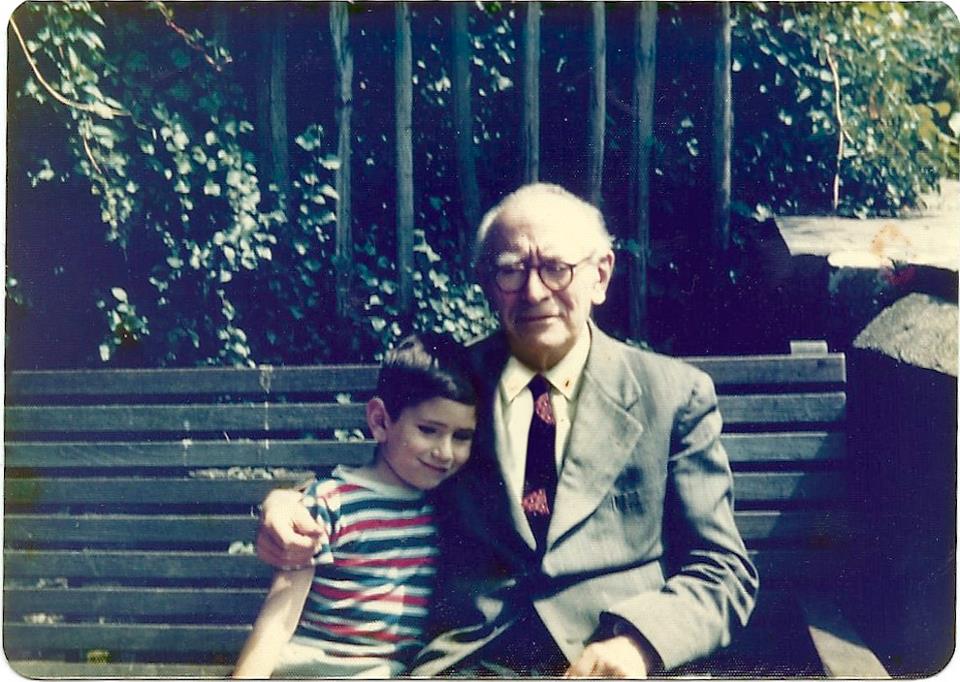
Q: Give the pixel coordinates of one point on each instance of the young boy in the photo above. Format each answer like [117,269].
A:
[360,610]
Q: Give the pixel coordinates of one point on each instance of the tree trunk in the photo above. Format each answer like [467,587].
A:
[463,123]
[722,132]
[644,74]
[403,82]
[343,58]
[272,102]
[598,106]
[221,27]
[530,126]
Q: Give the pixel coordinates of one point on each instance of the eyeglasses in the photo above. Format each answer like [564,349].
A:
[555,275]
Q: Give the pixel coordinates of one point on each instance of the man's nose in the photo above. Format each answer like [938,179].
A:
[535,289]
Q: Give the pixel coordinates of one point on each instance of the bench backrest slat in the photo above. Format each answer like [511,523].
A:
[135,492]
[266,417]
[188,453]
[186,531]
[741,447]
[749,370]
[798,566]
[193,381]
[186,638]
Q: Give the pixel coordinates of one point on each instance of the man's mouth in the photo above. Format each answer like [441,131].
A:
[533,319]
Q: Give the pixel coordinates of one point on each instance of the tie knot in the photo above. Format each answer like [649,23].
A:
[538,386]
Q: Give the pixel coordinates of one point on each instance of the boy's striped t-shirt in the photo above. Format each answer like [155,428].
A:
[374,577]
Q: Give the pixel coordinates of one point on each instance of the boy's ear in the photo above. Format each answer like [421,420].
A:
[378,420]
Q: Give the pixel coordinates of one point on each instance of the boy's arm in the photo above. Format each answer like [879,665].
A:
[275,624]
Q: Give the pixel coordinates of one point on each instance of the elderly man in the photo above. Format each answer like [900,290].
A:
[592,533]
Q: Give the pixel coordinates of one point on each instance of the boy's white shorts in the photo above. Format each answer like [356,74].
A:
[301,657]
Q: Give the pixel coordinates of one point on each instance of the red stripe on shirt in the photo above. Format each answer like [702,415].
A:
[353,631]
[333,593]
[384,524]
[404,562]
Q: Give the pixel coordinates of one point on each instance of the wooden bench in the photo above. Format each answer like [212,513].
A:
[128,533]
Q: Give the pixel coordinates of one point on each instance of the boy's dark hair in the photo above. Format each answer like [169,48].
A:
[422,367]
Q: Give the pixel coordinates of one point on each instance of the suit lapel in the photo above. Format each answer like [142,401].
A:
[603,436]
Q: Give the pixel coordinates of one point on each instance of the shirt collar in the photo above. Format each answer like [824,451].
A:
[564,376]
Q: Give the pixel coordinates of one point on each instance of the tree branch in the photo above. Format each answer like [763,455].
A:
[835,72]
[100,109]
[190,40]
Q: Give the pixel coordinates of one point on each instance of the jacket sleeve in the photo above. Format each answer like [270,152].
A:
[711,584]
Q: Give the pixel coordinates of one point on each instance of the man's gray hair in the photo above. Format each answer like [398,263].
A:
[594,227]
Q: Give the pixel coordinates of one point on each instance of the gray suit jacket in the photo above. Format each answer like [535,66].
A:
[642,528]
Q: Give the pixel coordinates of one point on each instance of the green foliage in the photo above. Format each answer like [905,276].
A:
[151,117]
[445,299]
[166,156]
[125,326]
[895,69]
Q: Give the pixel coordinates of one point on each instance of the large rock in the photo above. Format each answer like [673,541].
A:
[918,329]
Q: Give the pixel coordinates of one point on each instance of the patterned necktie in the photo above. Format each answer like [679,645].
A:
[540,479]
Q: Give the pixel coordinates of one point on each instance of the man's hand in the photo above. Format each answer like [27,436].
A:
[288,536]
[620,656]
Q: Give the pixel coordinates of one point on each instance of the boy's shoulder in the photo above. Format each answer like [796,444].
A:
[326,490]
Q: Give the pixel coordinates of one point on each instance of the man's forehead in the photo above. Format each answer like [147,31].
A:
[513,247]
[550,232]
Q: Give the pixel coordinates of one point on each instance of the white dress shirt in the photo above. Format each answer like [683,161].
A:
[513,409]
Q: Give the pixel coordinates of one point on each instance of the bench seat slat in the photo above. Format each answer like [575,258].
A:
[189,453]
[752,486]
[224,638]
[41,670]
[172,529]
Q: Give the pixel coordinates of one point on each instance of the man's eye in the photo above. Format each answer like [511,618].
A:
[508,269]
[554,267]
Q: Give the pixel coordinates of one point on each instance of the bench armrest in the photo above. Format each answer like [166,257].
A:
[841,650]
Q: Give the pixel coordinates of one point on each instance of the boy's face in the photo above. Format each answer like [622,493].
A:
[426,444]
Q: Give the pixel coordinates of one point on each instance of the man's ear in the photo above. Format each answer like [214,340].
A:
[378,419]
[605,272]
